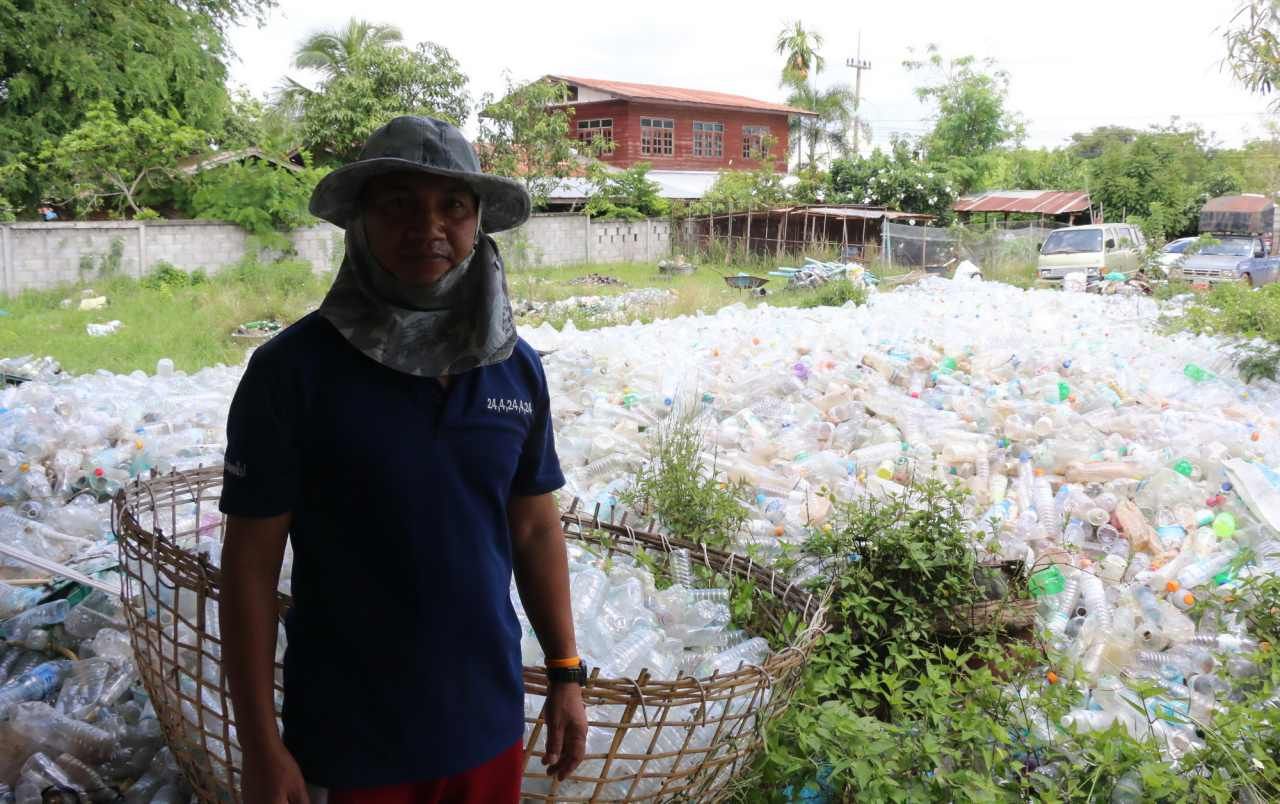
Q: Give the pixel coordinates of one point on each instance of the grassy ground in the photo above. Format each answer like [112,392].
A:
[704,289]
[168,314]
[163,316]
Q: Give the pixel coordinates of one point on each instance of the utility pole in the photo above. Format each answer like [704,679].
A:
[859,65]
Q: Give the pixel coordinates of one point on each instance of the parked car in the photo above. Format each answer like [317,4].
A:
[1173,252]
[1094,250]
[1259,271]
[1223,261]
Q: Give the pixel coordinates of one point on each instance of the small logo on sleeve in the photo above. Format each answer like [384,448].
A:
[510,406]
[235,469]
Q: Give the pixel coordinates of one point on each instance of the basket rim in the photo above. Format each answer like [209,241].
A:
[195,568]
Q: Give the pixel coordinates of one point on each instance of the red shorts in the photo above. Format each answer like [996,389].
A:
[497,780]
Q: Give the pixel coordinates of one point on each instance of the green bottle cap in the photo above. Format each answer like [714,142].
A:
[1046,582]
[1064,391]
[1183,467]
[948,365]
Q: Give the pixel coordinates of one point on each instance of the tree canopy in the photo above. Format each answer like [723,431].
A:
[378,84]
[526,134]
[106,158]
[800,49]
[827,133]
[59,59]
[971,117]
[1253,46]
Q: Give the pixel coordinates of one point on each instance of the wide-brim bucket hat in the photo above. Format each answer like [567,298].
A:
[420,145]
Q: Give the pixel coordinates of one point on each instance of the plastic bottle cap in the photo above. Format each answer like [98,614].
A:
[1172,586]
[1255,435]
[779,530]
[98,472]
[1051,677]
[24,467]
[1189,599]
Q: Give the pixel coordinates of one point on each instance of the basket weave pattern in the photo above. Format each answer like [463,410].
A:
[650,740]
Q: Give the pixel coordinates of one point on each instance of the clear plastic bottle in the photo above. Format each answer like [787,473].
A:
[86,778]
[1203,570]
[45,614]
[754,651]
[1095,599]
[35,685]
[681,567]
[630,654]
[1064,605]
[16,599]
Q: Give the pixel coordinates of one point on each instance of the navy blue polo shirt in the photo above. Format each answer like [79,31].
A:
[403,662]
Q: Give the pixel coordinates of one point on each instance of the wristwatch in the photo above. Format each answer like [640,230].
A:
[568,675]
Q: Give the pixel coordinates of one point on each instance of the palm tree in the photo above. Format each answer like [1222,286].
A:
[332,52]
[800,47]
[828,130]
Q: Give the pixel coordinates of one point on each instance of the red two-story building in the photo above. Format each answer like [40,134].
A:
[677,129]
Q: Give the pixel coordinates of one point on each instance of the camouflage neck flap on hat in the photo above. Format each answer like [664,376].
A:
[460,321]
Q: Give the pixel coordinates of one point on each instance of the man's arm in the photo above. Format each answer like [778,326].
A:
[542,575]
[251,556]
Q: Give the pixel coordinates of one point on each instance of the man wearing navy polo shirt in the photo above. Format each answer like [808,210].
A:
[400,437]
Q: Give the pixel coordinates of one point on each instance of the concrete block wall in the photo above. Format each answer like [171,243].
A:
[45,255]
[567,238]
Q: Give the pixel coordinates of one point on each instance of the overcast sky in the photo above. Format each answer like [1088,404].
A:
[1093,62]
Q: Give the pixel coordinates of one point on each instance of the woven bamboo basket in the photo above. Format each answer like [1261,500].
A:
[650,739]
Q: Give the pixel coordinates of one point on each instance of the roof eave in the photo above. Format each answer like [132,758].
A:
[787,110]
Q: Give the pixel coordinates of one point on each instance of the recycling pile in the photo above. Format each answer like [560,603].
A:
[1129,469]
[74,715]
[598,280]
[601,309]
[817,273]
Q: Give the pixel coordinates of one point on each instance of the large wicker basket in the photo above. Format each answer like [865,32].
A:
[654,740]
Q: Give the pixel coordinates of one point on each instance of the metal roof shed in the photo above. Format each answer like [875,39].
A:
[1045,203]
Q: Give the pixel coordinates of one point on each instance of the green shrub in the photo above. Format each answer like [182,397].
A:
[895,706]
[683,488]
[165,275]
[627,194]
[262,198]
[835,294]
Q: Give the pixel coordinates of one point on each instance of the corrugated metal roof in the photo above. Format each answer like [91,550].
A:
[1249,202]
[653,92]
[1040,202]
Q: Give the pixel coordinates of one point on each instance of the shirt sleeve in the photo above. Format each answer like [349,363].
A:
[261,473]
[538,471]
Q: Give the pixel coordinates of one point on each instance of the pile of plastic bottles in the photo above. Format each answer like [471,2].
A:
[72,713]
[624,624]
[601,309]
[1127,469]
[1130,469]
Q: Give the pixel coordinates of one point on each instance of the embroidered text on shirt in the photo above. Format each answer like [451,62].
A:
[510,406]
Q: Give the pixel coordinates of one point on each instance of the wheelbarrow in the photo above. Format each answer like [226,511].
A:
[745,281]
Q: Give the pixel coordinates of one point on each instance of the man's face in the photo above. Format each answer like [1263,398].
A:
[419,226]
